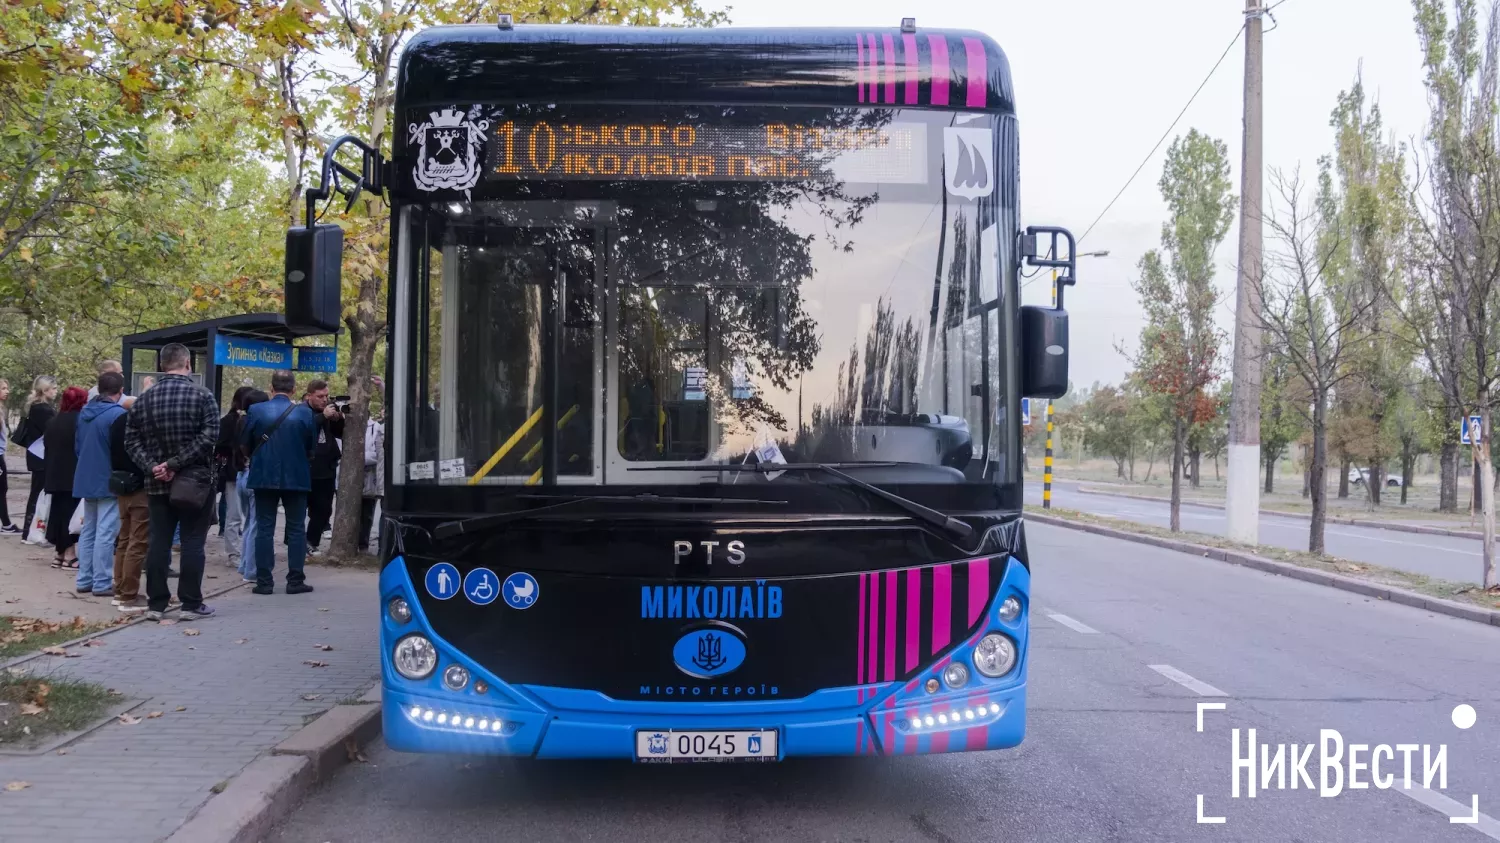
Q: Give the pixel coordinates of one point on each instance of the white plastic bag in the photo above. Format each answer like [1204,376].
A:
[75,524]
[36,532]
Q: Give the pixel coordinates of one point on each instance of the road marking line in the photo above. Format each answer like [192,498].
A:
[1072,624]
[1487,825]
[1199,687]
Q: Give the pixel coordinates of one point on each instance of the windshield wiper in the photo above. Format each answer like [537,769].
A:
[947,523]
[450,529]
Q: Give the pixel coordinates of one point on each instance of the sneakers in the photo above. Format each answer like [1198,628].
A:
[315,553]
[155,615]
[132,607]
[298,588]
[10,530]
[261,589]
[110,593]
[202,610]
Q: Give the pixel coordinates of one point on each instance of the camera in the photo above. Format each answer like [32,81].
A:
[341,403]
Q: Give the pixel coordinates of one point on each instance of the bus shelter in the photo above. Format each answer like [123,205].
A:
[252,340]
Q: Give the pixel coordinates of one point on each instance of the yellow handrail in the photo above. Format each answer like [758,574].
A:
[567,417]
[505,449]
[535,478]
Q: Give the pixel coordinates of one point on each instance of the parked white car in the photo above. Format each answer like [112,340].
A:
[1357,477]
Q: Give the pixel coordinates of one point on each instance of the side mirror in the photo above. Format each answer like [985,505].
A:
[314,264]
[1044,352]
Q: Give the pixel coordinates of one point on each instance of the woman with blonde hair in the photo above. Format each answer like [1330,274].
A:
[39,411]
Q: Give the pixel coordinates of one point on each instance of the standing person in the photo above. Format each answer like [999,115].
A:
[280,437]
[374,488]
[61,463]
[39,411]
[101,512]
[128,483]
[231,461]
[106,366]
[6,528]
[243,492]
[325,463]
[171,431]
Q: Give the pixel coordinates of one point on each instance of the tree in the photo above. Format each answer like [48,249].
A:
[1178,357]
[1107,428]
[1281,419]
[1303,316]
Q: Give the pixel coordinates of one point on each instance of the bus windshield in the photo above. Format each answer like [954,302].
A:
[676,289]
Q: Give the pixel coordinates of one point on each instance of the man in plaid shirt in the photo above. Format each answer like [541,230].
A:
[174,425]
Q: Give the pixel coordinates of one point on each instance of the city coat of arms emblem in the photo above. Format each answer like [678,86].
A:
[450,150]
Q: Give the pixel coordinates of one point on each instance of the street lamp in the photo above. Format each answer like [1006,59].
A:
[1102,253]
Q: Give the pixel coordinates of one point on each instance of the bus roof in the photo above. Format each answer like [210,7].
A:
[928,68]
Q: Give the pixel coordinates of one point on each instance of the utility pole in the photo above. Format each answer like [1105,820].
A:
[1047,459]
[1243,492]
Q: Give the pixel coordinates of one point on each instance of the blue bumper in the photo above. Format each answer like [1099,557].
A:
[891,718]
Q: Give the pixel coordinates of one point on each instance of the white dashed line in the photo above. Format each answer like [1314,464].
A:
[1450,808]
[1196,686]
[1072,624]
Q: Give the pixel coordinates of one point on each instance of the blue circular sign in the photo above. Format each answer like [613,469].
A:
[443,581]
[481,586]
[521,590]
[709,652]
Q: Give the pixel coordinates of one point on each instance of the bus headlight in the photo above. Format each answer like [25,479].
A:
[399,610]
[955,675]
[415,657]
[1010,609]
[455,677]
[995,655]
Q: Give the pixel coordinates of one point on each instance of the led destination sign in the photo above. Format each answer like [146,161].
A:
[892,154]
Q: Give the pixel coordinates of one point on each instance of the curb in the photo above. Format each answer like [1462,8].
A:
[1329,519]
[1286,569]
[269,788]
[140,618]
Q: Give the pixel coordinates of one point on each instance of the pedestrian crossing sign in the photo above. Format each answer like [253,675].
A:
[1026,412]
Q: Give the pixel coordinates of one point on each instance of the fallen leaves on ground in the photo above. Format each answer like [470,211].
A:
[191,632]
[322,608]
[241,640]
[63,751]
[153,715]
[311,697]
[12,787]
[32,709]
[311,663]
[112,692]
[93,642]
[167,622]
[180,708]
[352,750]
[58,651]
[128,720]
[324,647]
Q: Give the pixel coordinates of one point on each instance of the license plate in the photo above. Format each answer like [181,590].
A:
[669,746]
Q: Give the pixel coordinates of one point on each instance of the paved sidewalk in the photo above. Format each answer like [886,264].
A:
[242,683]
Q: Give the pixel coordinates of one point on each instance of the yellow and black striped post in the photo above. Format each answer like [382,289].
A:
[1047,464]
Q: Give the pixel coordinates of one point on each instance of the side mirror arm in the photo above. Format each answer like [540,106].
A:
[1030,252]
[371,178]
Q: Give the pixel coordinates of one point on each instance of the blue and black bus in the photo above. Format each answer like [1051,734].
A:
[705,374]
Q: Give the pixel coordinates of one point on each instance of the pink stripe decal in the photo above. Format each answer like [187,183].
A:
[978,736]
[942,606]
[909,48]
[890,71]
[978,74]
[874,72]
[913,619]
[909,746]
[979,588]
[937,49]
[873,673]
[859,75]
[859,675]
[890,734]
[859,736]
[939,742]
[890,626]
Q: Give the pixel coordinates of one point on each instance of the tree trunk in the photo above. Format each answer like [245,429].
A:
[1317,481]
[1216,468]
[1375,479]
[1177,453]
[1120,467]
[1150,464]
[1195,459]
[1486,493]
[364,335]
[1270,473]
[1306,471]
[1344,465]
[1407,465]
[1130,461]
[1448,478]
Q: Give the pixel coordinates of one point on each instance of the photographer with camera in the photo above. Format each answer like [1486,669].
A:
[325,462]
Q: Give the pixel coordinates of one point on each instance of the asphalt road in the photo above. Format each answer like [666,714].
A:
[1112,750]
[1454,559]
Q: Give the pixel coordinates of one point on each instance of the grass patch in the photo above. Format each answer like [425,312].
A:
[36,708]
[19,636]
[1459,592]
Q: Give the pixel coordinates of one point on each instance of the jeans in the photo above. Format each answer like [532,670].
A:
[130,547]
[167,521]
[319,508]
[295,504]
[96,545]
[248,533]
[233,521]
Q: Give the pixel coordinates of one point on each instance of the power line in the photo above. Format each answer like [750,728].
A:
[1164,135]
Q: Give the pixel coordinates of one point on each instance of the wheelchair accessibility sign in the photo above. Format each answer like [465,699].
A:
[521,590]
[481,586]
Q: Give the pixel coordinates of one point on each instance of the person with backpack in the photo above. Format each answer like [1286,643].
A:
[280,437]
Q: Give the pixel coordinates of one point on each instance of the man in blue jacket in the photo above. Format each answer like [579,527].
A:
[101,513]
[280,437]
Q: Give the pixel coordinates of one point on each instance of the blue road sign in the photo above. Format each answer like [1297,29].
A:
[1025,411]
[442,581]
[521,590]
[1470,430]
[481,586]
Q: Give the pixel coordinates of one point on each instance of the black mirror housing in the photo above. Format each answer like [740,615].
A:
[1044,352]
[314,265]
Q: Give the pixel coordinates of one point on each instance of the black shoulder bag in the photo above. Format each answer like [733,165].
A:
[266,437]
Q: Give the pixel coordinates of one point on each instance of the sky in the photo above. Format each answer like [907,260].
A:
[1098,82]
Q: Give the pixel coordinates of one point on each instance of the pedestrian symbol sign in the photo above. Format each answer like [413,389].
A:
[1025,412]
[481,586]
[1469,430]
[442,581]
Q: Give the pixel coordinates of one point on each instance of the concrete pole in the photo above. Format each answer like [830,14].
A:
[1047,459]
[1243,492]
